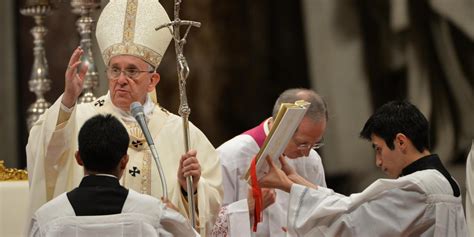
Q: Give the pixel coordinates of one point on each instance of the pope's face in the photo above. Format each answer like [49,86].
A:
[306,136]
[389,161]
[125,90]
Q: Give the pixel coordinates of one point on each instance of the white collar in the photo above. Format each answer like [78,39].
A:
[108,175]
[266,128]
[126,115]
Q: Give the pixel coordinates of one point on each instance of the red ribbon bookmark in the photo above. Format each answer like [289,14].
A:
[257,195]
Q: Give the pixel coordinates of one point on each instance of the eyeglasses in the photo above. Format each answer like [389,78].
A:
[131,73]
[308,146]
[304,147]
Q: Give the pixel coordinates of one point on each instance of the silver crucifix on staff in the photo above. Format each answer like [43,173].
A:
[183,72]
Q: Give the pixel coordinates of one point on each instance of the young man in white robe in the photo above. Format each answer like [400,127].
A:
[103,144]
[421,199]
[132,51]
[237,153]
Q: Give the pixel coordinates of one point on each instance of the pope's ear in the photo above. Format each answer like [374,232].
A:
[155,79]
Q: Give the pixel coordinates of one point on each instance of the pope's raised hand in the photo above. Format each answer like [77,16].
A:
[74,78]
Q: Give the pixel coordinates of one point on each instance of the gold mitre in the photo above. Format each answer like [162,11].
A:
[127,27]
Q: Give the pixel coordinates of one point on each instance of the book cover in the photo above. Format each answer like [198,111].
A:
[284,126]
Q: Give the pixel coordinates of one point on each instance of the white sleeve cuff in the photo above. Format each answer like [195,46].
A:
[66,109]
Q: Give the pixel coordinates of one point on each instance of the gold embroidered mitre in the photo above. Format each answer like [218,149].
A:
[127,27]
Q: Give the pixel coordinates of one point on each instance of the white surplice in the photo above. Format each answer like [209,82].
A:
[235,215]
[53,170]
[142,215]
[235,156]
[418,204]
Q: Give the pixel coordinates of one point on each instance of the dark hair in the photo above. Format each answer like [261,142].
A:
[103,141]
[316,111]
[398,117]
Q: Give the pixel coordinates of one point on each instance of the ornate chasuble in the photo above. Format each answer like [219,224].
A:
[138,174]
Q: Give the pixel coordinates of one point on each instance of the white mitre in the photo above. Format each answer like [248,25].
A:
[127,27]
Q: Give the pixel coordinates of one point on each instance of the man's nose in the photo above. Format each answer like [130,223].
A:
[305,152]
[122,78]
[378,161]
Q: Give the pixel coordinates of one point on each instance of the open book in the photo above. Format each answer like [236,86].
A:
[284,126]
